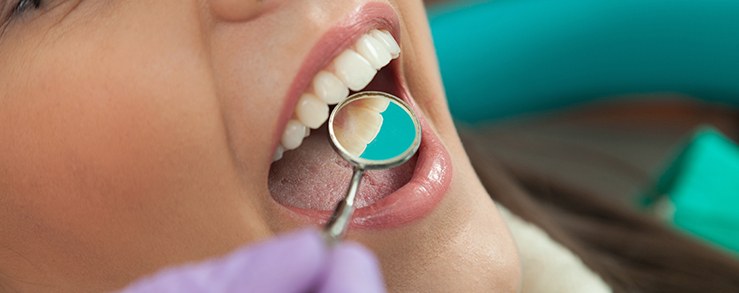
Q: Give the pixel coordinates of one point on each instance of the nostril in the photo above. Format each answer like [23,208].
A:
[237,10]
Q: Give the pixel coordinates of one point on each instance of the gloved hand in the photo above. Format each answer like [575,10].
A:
[299,262]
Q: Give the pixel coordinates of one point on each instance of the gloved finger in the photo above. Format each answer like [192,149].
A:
[289,263]
[352,269]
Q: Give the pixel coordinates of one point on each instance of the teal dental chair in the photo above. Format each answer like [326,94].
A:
[508,57]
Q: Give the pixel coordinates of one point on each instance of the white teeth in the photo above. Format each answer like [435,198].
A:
[278,153]
[355,71]
[311,111]
[389,42]
[374,51]
[294,134]
[352,69]
[377,105]
[329,88]
[359,124]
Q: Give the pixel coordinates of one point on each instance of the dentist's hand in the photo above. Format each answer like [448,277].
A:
[295,263]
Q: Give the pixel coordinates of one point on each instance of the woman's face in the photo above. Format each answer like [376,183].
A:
[141,134]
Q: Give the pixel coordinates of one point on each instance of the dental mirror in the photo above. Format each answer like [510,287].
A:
[371,130]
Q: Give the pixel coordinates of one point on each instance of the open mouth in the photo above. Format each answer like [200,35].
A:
[298,177]
[310,178]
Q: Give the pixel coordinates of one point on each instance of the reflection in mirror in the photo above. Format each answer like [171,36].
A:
[375,127]
[371,130]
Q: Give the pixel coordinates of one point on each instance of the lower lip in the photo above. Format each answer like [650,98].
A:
[417,198]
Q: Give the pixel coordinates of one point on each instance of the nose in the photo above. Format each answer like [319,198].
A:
[239,10]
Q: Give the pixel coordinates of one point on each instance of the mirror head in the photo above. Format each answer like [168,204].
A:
[374,130]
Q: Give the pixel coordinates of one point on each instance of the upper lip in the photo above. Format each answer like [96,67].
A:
[365,18]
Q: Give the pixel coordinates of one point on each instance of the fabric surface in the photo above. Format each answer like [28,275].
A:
[547,266]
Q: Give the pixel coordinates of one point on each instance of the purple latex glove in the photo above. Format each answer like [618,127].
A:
[299,262]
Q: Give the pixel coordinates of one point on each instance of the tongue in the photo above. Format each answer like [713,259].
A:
[315,177]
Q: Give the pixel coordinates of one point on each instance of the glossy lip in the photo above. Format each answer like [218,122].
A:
[432,175]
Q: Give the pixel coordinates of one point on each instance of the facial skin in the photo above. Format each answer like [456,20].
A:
[137,134]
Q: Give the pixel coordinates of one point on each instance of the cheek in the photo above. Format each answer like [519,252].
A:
[95,131]
[92,108]
[113,153]
[104,141]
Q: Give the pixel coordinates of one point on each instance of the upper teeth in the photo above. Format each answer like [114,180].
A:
[357,125]
[352,69]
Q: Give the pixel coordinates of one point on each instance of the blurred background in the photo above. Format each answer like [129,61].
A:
[633,100]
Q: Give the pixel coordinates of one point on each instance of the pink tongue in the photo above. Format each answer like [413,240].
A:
[315,177]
